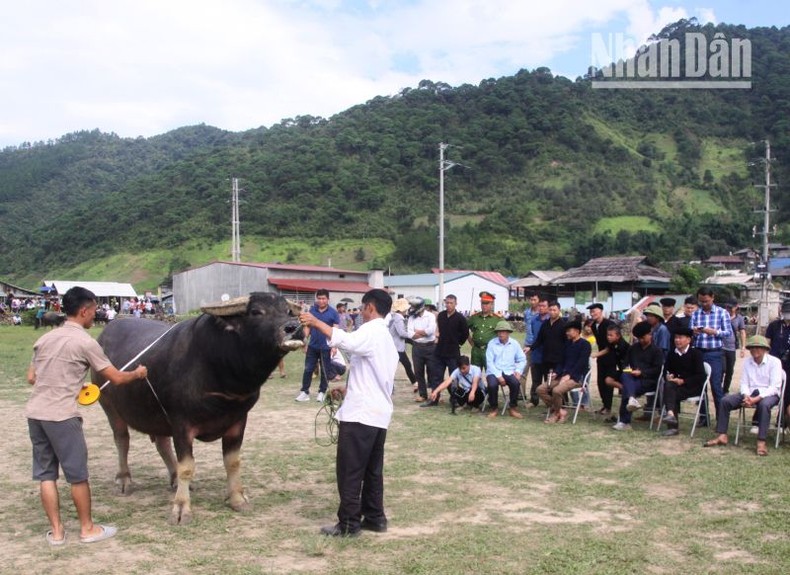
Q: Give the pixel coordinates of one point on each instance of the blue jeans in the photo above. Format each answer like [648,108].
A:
[715,359]
[310,361]
[632,387]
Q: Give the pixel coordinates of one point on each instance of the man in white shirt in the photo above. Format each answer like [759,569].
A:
[761,382]
[421,329]
[364,415]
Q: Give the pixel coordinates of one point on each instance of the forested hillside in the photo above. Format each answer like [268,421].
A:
[554,172]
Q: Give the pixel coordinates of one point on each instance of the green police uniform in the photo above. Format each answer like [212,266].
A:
[482,329]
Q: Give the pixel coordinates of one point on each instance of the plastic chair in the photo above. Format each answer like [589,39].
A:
[696,400]
[581,395]
[657,396]
[779,418]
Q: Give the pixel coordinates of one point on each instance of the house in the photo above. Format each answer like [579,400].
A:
[616,282]
[537,281]
[104,291]
[17,291]
[198,286]
[751,293]
[465,285]
[730,262]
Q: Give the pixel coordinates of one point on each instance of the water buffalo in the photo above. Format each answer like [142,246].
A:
[50,319]
[205,375]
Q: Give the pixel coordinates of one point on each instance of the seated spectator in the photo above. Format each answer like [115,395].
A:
[644,362]
[761,381]
[464,384]
[685,376]
[337,365]
[505,362]
[569,375]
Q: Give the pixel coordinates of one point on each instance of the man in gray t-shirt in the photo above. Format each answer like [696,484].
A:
[732,343]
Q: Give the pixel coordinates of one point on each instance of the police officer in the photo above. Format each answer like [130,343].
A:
[482,328]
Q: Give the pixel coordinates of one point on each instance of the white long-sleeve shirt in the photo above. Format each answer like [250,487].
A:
[766,376]
[373,360]
[426,322]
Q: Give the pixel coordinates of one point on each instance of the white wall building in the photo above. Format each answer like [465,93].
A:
[464,285]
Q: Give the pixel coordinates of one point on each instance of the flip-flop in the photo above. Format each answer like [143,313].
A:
[762,451]
[55,542]
[107,531]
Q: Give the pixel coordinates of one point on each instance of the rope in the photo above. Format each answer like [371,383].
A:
[325,418]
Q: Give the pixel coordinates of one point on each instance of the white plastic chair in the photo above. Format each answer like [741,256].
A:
[696,400]
[779,418]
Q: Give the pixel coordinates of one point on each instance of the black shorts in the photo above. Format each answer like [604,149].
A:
[59,443]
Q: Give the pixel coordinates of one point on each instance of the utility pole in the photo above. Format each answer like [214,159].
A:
[762,268]
[235,249]
[444,165]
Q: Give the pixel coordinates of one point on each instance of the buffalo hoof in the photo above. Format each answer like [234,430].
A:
[123,485]
[239,502]
[180,516]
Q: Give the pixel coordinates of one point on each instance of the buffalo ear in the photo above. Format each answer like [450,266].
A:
[294,307]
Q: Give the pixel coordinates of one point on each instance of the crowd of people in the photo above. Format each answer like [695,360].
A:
[671,354]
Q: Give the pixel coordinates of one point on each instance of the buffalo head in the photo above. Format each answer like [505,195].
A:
[261,311]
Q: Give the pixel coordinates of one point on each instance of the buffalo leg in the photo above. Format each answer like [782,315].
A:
[181,513]
[120,433]
[165,448]
[231,456]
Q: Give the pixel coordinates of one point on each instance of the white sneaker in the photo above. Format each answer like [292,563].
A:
[620,426]
[303,396]
[633,404]
[320,397]
[754,430]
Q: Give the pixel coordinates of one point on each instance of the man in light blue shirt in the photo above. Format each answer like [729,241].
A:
[464,384]
[505,362]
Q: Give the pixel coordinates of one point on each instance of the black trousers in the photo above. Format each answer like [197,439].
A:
[538,374]
[729,370]
[605,391]
[674,394]
[403,357]
[422,355]
[360,475]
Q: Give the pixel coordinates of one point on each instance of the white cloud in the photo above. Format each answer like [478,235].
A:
[141,67]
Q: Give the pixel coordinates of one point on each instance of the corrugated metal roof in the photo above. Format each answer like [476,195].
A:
[279,266]
[305,285]
[494,277]
[536,278]
[100,289]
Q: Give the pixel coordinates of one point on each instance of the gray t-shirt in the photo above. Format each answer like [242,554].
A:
[731,343]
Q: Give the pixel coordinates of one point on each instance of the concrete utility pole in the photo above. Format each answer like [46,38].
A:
[235,248]
[444,165]
[763,313]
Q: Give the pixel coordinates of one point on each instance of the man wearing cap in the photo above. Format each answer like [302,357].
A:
[482,328]
[397,327]
[505,361]
[605,359]
[421,328]
[761,381]
[710,325]
[644,361]
[452,333]
[569,375]
[684,377]
[732,343]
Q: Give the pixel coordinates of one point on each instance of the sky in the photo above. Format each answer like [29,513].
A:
[145,67]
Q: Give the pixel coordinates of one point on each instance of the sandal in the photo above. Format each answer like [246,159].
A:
[602,411]
[762,451]
[714,443]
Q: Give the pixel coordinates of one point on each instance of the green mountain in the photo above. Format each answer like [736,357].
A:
[553,172]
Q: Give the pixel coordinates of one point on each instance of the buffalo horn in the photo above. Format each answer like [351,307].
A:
[295,307]
[235,306]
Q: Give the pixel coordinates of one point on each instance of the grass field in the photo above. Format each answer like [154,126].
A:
[464,495]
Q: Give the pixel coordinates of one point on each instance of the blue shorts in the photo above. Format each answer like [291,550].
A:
[59,443]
